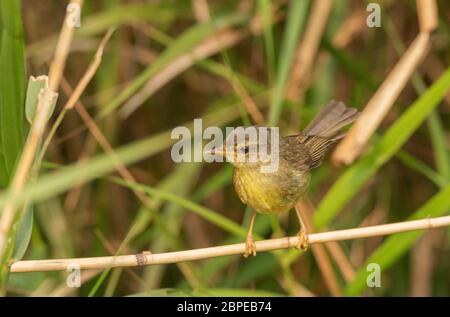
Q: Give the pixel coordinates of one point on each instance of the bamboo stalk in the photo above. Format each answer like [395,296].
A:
[146,258]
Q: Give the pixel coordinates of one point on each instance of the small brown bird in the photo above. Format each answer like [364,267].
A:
[279,191]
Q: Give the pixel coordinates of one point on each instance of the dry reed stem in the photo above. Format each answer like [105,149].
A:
[207,48]
[201,10]
[341,260]
[328,274]
[37,128]
[63,290]
[428,15]
[338,255]
[90,72]
[381,102]
[212,45]
[423,261]
[62,50]
[147,258]
[307,48]
[295,288]
[249,103]
[105,145]
[45,99]
[352,26]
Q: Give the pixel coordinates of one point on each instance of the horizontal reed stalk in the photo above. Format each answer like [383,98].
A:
[147,258]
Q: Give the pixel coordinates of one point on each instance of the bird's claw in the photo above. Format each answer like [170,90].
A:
[250,248]
[302,240]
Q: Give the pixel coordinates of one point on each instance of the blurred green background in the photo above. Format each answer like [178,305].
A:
[169,62]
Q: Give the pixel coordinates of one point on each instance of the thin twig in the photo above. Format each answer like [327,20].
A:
[329,276]
[90,72]
[423,262]
[146,258]
[62,50]
[335,250]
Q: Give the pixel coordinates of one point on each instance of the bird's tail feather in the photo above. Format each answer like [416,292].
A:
[324,131]
[328,123]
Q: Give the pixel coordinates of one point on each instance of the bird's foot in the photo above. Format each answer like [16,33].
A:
[302,240]
[250,248]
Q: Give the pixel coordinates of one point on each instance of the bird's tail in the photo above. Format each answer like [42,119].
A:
[328,123]
[325,130]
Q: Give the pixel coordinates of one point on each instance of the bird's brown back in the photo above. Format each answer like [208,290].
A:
[306,151]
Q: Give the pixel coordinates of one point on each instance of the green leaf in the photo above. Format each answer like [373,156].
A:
[441,152]
[35,87]
[23,234]
[12,72]
[397,245]
[265,9]
[295,20]
[354,177]
[419,166]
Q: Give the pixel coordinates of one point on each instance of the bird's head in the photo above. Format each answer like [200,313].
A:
[250,147]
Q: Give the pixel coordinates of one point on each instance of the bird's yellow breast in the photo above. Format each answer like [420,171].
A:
[269,193]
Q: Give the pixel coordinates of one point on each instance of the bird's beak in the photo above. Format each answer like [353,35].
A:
[217,151]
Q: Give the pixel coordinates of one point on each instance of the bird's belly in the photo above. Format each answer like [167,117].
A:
[269,193]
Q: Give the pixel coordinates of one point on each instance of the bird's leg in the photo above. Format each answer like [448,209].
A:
[302,235]
[250,247]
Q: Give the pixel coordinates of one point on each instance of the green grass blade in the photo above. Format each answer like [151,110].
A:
[419,166]
[12,80]
[12,91]
[437,133]
[397,245]
[208,214]
[125,14]
[51,184]
[182,45]
[295,20]
[98,23]
[352,180]
[439,143]
[23,234]
[265,9]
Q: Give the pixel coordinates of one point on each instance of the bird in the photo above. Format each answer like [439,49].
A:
[278,191]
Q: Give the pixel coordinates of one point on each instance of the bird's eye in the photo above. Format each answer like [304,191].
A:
[244,149]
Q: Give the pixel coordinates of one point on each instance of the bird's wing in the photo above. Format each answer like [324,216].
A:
[295,153]
[305,152]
